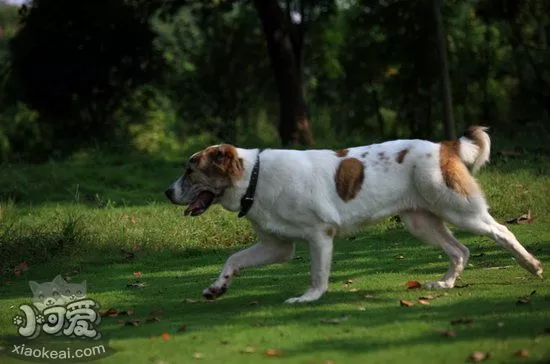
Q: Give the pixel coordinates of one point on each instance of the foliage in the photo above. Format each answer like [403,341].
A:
[147,75]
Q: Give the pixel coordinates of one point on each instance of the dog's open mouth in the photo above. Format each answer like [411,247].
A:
[200,203]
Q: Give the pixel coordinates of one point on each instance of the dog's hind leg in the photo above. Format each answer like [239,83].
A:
[268,250]
[431,229]
[484,224]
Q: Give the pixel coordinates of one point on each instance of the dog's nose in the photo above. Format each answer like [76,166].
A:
[169,193]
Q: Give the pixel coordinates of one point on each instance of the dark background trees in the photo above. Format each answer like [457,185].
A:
[154,75]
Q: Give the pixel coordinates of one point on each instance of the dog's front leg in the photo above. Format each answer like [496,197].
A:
[268,251]
[321,259]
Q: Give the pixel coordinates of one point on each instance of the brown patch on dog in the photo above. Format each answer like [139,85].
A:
[222,159]
[342,153]
[349,178]
[401,155]
[330,232]
[455,174]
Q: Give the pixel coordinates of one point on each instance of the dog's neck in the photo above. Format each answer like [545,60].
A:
[231,199]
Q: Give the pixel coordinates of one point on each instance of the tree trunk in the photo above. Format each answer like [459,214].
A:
[284,54]
[448,121]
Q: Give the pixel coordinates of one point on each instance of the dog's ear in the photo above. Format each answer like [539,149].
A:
[226,160]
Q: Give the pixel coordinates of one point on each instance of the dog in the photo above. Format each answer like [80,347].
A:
[315,195]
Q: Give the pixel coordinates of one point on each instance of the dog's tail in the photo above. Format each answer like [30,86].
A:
[475,147]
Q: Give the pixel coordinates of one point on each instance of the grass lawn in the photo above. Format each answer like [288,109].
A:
[101,219]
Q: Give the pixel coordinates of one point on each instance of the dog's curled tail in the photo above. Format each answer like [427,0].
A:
[475,147]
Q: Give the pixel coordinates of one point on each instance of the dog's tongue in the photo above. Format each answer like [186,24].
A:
[200,203]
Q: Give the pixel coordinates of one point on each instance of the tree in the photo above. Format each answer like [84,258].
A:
[448,120]
[75,62]
[285,40]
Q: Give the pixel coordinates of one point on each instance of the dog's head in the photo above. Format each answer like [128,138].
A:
[205,178]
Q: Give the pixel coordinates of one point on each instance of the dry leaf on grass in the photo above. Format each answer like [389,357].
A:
[448,333]
[478,356]
[136,285]
[405,303]
[525,299]
[152,319]
[137,275]
[526,218]
[523,353]
[399,257]
[112,312]
[248,350]
[427,297]
[335,321]
[349,281]
[423,301]
[134,322]
[413,284]
[189,300]
[198,355]
[462,321]
[354,290]
[165,336]
[272,352]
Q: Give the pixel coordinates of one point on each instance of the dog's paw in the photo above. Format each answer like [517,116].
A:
[439,285]
[306,297]
[211,293]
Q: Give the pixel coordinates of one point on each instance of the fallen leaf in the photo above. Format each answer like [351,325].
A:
[525,299]
[349,281]
[462,321]
[478,356]
[423,301]
[134,322]
[427,297]
[248,350]
[354,290]
[399,257]
[463,285]
[152,319]
[189,300]
[335,321]
[112,312]
[165,336]
[522,219]
[156,312]
[404,303]
[198,355]
[133,219]
[362,308]
[448,333]
[413,284]
[182,328]
[137,275]
[136,285]
[272,352]
[523,353]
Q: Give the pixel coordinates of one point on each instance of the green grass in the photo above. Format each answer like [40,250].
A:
[79,214]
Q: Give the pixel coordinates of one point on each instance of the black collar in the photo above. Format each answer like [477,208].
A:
[248,198]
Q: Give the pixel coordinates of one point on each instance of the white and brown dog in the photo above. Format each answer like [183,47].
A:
[313,195]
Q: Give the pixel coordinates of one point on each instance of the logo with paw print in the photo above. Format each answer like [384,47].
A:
[59,308]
